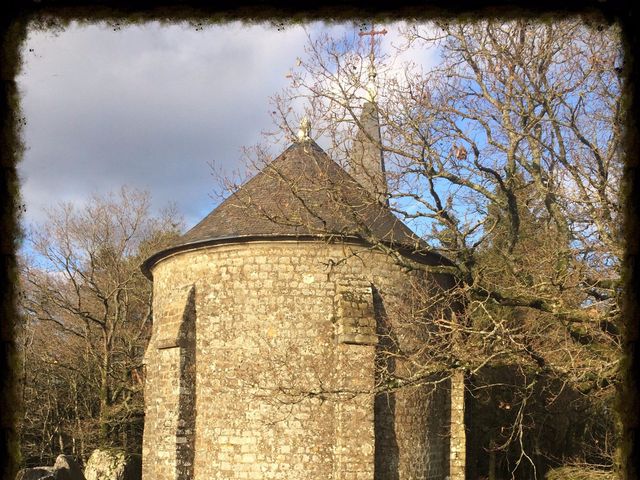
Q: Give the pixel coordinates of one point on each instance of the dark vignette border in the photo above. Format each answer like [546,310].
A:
[15,15]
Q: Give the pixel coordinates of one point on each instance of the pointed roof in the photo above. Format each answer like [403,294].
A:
[302,194]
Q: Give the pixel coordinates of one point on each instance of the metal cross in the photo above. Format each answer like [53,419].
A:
[372,33]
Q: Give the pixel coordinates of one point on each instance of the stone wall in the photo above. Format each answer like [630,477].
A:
[284,352]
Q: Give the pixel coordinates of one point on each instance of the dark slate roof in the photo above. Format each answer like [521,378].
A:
[302,194]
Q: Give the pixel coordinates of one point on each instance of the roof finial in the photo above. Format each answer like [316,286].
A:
[305,129]
[371,84]
[372,90]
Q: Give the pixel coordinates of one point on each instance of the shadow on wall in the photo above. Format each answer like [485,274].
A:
[185,433]
[384,410]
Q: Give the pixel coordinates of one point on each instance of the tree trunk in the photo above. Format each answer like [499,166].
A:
[458,445]
[104,389]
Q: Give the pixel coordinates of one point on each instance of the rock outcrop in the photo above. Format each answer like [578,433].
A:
[104,464]
[66,468]
[36,473]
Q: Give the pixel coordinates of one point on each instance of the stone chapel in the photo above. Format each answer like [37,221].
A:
[269,320]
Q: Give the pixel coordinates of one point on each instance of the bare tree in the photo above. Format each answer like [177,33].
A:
[506,157]
[86,320]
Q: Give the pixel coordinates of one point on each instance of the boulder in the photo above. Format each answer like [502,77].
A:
[66,468]
[104,464]
[36,473]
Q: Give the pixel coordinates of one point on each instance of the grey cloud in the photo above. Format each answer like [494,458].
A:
[148,106]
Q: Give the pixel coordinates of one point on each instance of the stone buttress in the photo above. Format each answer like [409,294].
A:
[170,375]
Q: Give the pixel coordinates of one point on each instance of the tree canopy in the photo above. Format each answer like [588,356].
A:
[505,154]
[86,320]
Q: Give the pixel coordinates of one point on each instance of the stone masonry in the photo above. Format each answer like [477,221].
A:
[262,365]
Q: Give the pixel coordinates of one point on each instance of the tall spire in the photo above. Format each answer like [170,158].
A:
[366,160]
